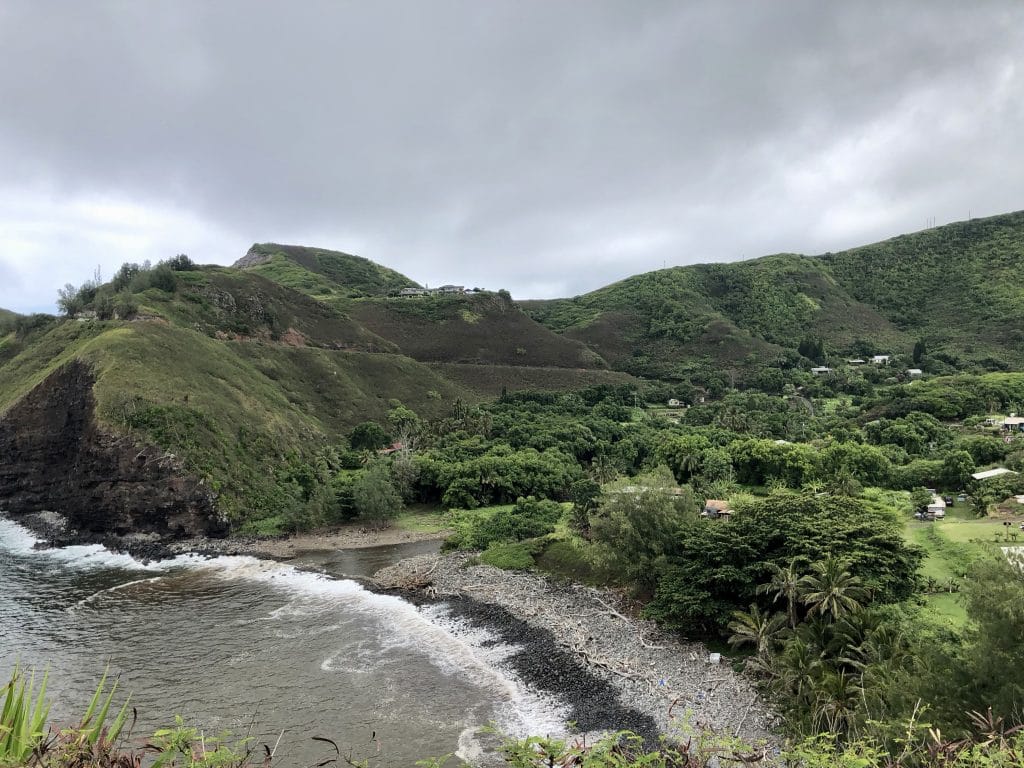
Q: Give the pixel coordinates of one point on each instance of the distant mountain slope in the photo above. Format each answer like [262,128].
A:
[718,314]
[486,329]
[6,314]
[959,287]
[323,274]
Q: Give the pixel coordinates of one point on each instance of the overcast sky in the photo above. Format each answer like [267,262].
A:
[544,146]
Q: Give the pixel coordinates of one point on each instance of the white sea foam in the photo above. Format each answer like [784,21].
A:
[96,595]
[451,645]
[19,540]
[15,538]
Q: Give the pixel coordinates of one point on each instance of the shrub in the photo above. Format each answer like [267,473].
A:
[162,278]
[181,263]
[125,307]
[527,519]
[509,557]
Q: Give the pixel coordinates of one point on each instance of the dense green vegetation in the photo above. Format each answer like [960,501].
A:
[942,299]
[958,286]
[847,601]
[299,389]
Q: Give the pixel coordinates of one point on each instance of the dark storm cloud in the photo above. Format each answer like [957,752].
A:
[547,147]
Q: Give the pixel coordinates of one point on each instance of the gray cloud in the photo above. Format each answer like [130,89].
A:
[546,147]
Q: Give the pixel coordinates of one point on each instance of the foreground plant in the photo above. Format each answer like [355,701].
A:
[23,717]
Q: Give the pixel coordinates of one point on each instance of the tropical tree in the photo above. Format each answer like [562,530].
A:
[758,629]
[374,494]
[831,590]
[784,585]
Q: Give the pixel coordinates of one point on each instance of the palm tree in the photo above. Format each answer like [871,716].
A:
[837,696]
[830,589]
[758,629]
[784,585]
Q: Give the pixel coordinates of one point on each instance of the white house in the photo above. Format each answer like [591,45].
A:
[1013,422]
[990,473]
[820,370]
[914,372]
[937,507]
[880,359]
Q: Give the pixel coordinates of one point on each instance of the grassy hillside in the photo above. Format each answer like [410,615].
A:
[241,415]
[722,314]
[491,380]
[958,287]
[484,329]
[6,315]
[229,303]
[325,275]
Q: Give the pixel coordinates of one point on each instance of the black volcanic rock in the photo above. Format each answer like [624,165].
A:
[54,456]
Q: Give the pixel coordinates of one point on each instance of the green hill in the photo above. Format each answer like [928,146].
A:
[958,287]
[483,329]
[6,314]
[662,323]
[239,382]
[323,274]
[228,387]
[175,394]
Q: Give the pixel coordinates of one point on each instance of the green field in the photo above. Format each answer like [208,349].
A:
[951,546]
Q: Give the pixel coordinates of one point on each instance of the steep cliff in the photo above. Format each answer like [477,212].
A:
[54,456]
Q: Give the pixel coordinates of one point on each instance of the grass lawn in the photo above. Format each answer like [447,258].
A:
[423,518]
[950,546]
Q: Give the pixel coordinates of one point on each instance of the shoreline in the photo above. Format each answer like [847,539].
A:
[53,531]
[576,644]
[580,645]
[352,536]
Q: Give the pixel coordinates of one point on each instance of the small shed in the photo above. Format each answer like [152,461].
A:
[820,370]
[715,509]
[937,507]
[912,372]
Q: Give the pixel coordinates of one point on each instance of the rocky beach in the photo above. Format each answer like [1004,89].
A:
[589,648]
[583,646]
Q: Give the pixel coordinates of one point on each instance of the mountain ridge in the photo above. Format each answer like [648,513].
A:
[881,297]
[244,378]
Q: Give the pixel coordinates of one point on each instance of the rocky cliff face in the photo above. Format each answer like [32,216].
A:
[55,457]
